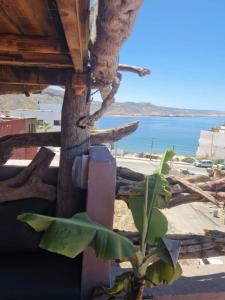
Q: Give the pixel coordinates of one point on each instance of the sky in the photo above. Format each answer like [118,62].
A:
[182,42]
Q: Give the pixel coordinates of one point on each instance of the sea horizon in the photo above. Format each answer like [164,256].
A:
[156,133]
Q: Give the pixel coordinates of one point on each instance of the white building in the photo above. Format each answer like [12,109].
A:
[212,144]
[47,113]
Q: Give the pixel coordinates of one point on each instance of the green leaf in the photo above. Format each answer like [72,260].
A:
[164,167]
[120,283]
[70,237]
[151,194]
[168,250]
[162,273]
[158,225]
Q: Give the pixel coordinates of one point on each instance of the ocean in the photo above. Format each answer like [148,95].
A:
[158,133]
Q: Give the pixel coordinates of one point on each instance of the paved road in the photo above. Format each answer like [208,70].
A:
[147,166]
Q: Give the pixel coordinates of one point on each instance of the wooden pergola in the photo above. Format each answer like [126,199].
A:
[51,42]
[64,43]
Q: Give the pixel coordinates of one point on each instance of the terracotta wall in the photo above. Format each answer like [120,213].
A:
[10,126]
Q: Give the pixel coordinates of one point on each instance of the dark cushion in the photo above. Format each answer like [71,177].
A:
[39,276]
[16,236]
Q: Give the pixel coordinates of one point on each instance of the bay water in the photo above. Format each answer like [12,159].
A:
[154,134]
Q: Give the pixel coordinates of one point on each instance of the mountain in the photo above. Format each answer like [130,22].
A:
[51,95]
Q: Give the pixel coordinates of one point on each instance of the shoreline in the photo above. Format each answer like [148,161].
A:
[164,116]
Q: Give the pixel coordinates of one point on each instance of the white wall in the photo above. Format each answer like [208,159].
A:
[211,145]
[50,106]
[47,116]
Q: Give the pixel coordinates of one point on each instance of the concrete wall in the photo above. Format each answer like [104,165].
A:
[211,145]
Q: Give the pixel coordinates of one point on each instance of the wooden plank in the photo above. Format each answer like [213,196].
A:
[33,76]
[20,88]
[28,17]
[6,24]
[25,43]
[73,14]
[29,59]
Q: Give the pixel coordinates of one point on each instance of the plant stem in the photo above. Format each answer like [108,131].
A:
[138,289]
[145,221]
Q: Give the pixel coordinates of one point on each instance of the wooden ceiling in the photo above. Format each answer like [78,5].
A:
[40,40]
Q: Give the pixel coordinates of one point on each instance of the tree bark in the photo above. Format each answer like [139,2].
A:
[28,183]
[192,245]
[10,142]
[113,17]
[74,142]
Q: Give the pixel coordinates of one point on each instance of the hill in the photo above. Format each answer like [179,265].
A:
[50,95]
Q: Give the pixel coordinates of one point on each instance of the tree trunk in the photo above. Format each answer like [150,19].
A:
[74,142]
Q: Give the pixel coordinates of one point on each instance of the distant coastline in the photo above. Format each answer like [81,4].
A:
[118,109]
[166,116]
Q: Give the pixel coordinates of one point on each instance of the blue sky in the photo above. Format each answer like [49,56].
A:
[183,43]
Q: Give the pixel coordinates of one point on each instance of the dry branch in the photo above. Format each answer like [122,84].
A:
[10,142]
[198,178]
[28,183]
[134,69]
[182,198]
[107,94]
[215,185]
[195,189]
[192,246]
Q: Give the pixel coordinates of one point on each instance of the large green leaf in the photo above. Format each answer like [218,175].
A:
[151,194]
[70,237]
[162,273]
[158,225]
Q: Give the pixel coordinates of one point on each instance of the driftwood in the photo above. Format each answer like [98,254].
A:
[134,69]
[195,189]
[192,246]
[183,191]
[183,198]
[215,185]
[9,142]
[198,178]
[113,17]
[28,183]
[107,94]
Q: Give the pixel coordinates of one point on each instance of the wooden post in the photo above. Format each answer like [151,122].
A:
[74,142]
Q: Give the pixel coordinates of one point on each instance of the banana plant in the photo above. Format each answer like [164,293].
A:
[154,262]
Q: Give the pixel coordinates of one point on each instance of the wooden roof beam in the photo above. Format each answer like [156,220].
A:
[33,76]
[31,59]
[72,15]
[24,43]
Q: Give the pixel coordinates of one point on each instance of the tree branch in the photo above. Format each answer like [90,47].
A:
[134,69]
[28,183]
[192,246]
[181,199]
[113,17]
[108,99]
[195,189]
[10,142]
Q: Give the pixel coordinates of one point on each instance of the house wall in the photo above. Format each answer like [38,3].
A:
[47,116]
[9,126]
[211,145]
